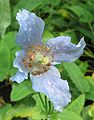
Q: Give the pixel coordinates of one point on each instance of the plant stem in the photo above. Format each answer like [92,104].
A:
[42,101]
[46,102]
[52,109]
[49,102]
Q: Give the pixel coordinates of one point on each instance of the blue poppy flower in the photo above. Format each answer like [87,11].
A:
[39,59]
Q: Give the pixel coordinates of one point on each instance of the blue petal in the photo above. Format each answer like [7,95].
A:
[53,86]
[18,62]
[31,28]
[19,77]
[64,50]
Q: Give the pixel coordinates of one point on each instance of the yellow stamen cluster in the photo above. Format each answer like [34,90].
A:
[38,59]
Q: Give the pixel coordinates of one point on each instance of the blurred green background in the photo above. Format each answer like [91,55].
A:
[73,18]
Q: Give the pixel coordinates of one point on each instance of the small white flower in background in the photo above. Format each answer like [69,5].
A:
[39,59]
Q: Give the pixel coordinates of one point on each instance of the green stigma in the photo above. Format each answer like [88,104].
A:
[41,59]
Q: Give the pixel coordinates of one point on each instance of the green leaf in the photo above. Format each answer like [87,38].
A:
[46,36]
[91,111]
[5,17]
[68,115]
[28,101]
[27,4]
[63,12]
[3,111]
[85,31]
[13,71]
[9,40]
[7,112]
[85,114]
[23,111]
[77,77]
[83,66]
[53,2]
[21,90]
[90,94]
[38,101]
[77,105]
[5,62]
[83,14]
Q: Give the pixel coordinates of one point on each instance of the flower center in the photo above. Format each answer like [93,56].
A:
[38,59]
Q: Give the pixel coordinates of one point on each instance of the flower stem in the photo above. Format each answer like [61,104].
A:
[46,102]
[42,101]
[52,109]
[49,102]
